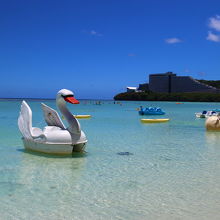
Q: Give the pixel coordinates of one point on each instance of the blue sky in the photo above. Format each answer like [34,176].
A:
[98,47]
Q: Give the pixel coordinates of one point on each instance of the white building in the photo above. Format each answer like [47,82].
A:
[131,89]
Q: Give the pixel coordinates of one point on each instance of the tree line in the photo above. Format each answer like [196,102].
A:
[150,96]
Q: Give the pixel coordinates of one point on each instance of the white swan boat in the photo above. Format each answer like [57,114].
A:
[54,138]
[206,114]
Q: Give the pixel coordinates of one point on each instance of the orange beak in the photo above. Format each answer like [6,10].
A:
[71,100]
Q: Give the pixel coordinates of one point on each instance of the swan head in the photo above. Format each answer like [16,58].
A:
[66,95]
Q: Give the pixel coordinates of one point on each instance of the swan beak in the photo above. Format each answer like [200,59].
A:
[71,100]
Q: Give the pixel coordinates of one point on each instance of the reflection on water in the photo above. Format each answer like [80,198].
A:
[50,169]
[73,155]
[213,137]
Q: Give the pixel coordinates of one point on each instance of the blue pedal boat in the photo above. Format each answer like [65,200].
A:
[151,111]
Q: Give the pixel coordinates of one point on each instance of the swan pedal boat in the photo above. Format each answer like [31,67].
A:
[55,138]
[159,120]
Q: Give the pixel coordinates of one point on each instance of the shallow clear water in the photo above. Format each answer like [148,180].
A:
[170,172]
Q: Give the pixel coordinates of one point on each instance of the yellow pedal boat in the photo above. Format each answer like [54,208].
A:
[159,120]
[82,116]
[79,116]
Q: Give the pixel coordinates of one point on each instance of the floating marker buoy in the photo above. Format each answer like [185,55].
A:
[213,123]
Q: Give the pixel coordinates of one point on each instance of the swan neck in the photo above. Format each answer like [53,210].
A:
[74,126]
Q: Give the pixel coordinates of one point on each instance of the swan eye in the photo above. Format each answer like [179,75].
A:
[66,96]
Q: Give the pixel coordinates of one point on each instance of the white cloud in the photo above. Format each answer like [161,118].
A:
[95,33]
[173,40]
[213,37]
[186,70]
[214,22]
[92,32]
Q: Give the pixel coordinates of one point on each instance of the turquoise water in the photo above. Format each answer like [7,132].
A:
[170,172]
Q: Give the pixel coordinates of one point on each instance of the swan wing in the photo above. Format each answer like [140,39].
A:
[25,123]
[51,117]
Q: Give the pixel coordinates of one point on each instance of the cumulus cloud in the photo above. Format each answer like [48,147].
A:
[214,22]
[173,40]
[213,37]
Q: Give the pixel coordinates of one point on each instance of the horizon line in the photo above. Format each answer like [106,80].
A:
[46,99]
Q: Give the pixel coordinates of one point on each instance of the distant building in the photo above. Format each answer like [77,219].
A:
[131,89]
[171,83]
[143,87]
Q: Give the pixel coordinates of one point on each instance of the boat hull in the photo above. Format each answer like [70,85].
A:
[57,149]
[200,115]
[151,113]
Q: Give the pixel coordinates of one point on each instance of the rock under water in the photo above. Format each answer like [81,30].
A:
[125,153]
